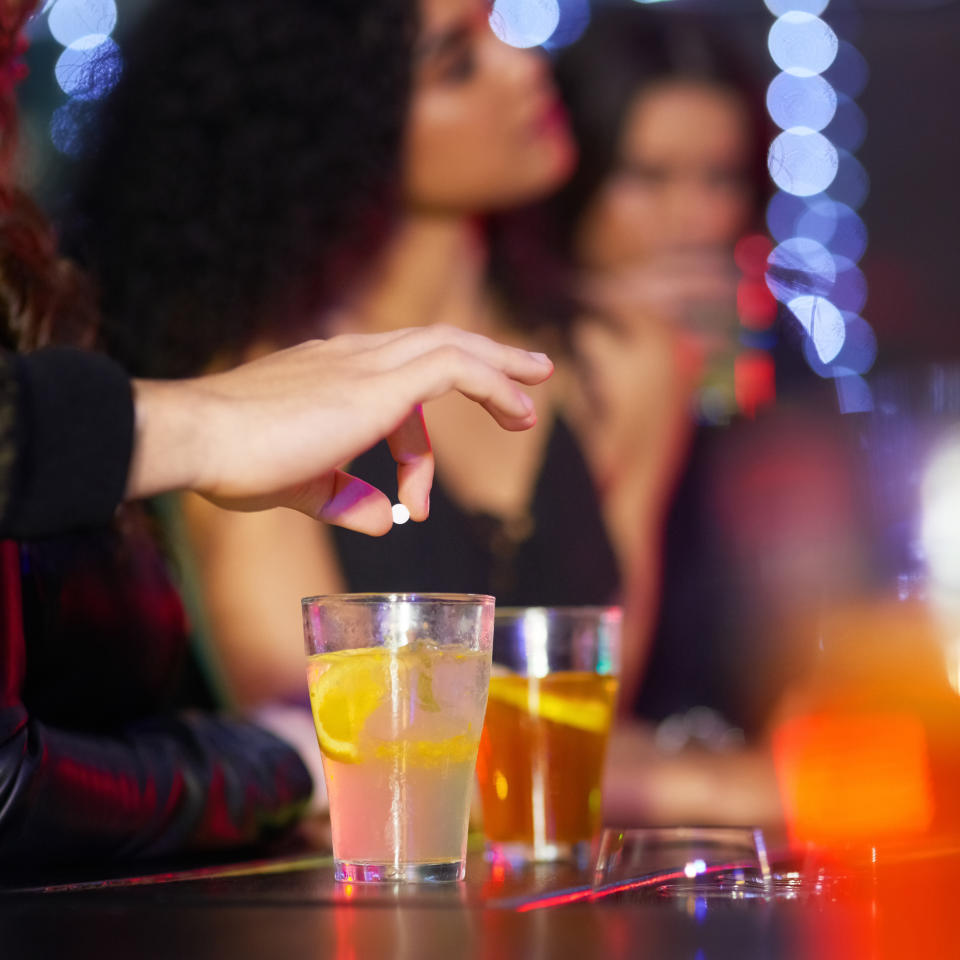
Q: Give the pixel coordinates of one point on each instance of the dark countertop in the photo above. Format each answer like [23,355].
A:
[289,906]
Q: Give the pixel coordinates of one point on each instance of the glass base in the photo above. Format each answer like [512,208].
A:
[365,871]
[517,854]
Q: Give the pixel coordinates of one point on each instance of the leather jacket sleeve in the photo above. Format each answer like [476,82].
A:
[179,783]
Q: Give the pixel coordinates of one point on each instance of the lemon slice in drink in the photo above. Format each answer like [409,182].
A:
[571,710]
[345,688]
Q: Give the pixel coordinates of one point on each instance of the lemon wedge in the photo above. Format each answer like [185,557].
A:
[345,688]
[451,751]
[527,695]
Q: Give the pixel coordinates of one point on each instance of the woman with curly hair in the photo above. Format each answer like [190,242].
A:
[482,131]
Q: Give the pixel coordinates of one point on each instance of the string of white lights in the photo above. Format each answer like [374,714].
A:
[87,69]
[813,216]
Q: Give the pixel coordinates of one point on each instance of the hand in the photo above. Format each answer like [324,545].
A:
[694,290]
[273,432]
[647,333]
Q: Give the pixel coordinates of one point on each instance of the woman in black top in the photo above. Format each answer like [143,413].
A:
[513,514]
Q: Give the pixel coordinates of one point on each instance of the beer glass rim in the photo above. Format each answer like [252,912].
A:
[595,609]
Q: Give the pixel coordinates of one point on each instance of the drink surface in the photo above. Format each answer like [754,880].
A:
[541,757]
[399,731]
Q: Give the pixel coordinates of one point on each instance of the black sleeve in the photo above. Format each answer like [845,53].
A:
[181,783]
[66,437]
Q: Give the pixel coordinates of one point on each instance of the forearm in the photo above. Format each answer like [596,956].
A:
[169,446]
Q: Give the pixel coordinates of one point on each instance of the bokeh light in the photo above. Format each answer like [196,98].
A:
[848,128]
[69,124]
[802,44]
[813,269]
[783,212]
[801,101]
[818,219]
[803,266]
[70,20]
[851,185]
[940,524]
[525,23]
[849,72]
[850,237]
[823,323]
[850,287]
[857,355]
[751,253]
[574,19]
[89,68]
[802,162]
[832,224]
[780,7]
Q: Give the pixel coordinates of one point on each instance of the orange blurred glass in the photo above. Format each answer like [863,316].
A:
[868,750]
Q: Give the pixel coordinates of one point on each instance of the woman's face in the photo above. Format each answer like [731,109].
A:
[486,129]
[681,180]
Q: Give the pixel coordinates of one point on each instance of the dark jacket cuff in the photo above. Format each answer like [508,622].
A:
[74,428]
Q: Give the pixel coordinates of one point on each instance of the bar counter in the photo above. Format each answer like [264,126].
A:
[289,906]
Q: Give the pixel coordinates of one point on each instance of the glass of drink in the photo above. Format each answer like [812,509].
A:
[552,694]
[398,685]
[680,862]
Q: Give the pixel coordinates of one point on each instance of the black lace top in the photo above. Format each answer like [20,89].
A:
[557,553]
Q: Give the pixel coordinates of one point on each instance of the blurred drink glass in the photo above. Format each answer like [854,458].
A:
[552,694]
[398,685]
[868,746]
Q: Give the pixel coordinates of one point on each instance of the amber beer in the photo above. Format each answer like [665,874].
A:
[549,712]
[541,760]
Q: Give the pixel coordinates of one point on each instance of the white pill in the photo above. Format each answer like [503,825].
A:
[400,513]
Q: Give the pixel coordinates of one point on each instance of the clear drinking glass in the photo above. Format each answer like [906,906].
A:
[703,862]
[552,694]
[398,686]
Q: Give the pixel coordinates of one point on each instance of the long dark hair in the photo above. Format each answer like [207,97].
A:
[242,169]
[42,296]
[626,50]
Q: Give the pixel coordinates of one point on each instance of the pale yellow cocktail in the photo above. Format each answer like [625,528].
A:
[399,731]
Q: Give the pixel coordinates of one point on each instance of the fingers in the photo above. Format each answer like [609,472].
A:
[400,347]
[450,368]
[410,447]
[345,501]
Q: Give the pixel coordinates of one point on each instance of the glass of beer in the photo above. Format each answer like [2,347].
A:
[552,693]
[398,685]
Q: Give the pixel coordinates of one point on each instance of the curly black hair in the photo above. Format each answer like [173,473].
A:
[240,173]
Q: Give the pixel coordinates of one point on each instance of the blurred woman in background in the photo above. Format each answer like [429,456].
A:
[713,525]
[671,175]
[483,130]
